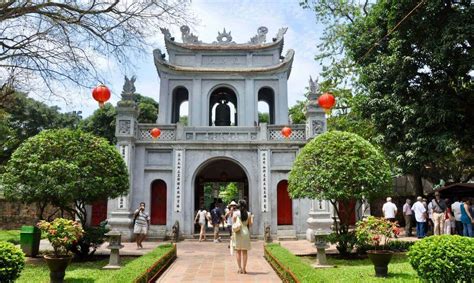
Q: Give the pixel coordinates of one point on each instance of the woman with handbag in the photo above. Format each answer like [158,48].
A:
[242,220]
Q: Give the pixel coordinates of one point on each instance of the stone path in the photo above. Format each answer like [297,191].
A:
[212,262]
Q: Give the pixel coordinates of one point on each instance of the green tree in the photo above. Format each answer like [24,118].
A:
[65,168]
[418,88]
[101,123]
[24,117]
[339,167]
[297,113]
[147,108]
[263,117]
[229,192]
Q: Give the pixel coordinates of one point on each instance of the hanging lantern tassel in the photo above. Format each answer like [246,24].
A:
[155,133]
[286,132]
[327,102]
[101,94]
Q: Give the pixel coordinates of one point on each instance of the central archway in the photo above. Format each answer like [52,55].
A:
[219,180]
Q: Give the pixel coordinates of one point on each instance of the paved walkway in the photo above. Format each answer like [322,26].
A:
[212,262]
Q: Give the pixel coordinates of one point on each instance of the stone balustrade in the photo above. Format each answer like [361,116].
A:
[263,132]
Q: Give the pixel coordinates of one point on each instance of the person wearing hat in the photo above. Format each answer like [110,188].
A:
[228,215]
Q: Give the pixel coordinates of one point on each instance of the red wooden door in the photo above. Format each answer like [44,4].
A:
[158,203]
[347,211]
[99,212]
[284,204]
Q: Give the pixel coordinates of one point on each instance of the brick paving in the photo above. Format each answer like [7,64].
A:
[212,262]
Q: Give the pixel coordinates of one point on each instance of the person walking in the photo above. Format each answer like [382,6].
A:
[141,223]
[466,218]
[420,216]
[201,219]
[456,209]
[407,214]
[439,214]
[216,219]
[228,215]
[242,237]
[389,210]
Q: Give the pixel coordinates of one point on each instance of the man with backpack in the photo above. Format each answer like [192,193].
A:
[216,219]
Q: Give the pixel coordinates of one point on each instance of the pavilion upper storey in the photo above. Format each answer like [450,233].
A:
[257,55]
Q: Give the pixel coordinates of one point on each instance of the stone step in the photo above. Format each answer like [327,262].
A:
[285,227]
[287,238]
[286,233]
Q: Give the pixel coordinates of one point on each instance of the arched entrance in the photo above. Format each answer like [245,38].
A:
[158,203]
[219,180]
[284,204]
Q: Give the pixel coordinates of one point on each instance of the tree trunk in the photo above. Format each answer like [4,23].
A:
[418,183]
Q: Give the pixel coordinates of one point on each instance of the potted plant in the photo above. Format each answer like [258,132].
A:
[377,232]
[61,233]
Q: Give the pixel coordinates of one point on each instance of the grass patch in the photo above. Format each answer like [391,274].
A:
[12,236]
[134,269]
[83,272]
[357,270]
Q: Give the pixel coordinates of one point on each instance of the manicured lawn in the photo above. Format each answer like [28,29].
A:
[38,271]
[362,270]
[12,236]
[356,270]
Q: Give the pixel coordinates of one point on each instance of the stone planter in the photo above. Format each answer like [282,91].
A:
[57,267]
[380,259]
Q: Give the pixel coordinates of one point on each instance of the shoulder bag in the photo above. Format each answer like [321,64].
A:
[237,226]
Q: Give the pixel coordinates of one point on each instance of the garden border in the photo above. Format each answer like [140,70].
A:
[283,272]
[152,274]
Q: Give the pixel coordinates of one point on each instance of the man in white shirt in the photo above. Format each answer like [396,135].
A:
[456,209]
[420,215]
[407,214]
[389,210]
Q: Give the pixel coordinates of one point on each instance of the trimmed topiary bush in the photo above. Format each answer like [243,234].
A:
[446,258]
[12,261]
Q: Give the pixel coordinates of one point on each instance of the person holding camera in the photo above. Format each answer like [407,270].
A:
[141,223]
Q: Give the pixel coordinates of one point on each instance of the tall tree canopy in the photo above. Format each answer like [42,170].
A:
[54,42]
[65,167]
[414,90]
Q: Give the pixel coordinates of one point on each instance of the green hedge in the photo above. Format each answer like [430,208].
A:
[143,268]
[12,236]
[446,258]
[295,265]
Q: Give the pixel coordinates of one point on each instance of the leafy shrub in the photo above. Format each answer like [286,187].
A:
[345,242]
[61,233]
[12,261]
[92,239]
[375,231]
[445,258]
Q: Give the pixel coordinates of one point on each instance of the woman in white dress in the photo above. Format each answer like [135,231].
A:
[241,241]
[201,219]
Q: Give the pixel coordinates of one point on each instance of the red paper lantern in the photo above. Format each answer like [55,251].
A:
[327,101]
[155,133]
[101,94]
[286,132]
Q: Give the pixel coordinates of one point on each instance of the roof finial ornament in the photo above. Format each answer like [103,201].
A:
[187,36]
[280,34]
[224,37]
[129,88]
[167,34]
[314,86]
[260,37]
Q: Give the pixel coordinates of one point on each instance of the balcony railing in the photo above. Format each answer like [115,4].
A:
[232,133]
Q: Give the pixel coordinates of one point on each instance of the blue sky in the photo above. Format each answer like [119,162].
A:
[242,18]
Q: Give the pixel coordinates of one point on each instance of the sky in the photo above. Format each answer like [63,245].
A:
[242,18]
